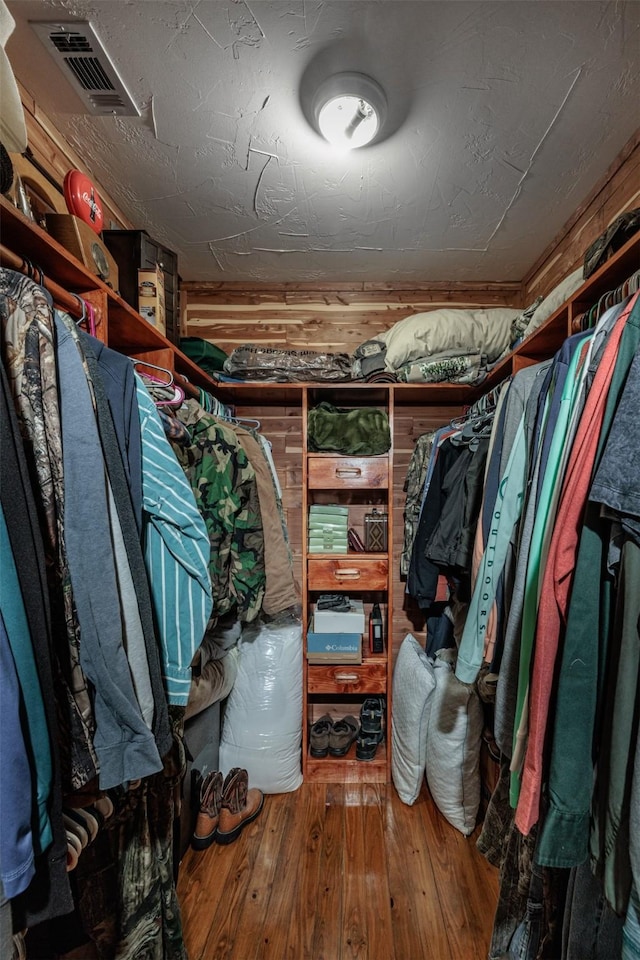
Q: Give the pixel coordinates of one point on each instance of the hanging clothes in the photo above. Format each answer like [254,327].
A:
[123,740]
[224,485]
[281,592]
[29,358]
[49,892]
[109,690]
[177,553]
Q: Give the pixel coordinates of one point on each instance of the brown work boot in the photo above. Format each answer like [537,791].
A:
[209,813]
[239,805]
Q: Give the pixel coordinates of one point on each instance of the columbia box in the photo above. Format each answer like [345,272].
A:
[334,648]
[334,642]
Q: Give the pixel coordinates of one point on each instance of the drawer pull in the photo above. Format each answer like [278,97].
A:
[347,574]
[348,472]
[346,677]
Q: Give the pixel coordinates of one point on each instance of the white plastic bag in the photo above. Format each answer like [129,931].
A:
[262,727]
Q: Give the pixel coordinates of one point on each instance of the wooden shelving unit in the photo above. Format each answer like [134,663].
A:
[359,483]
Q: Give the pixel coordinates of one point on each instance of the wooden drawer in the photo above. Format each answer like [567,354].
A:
[348,473]
[347,573]
[368,677]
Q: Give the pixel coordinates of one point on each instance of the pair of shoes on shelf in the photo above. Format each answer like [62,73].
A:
[226,807]
[371,728]
[327,737]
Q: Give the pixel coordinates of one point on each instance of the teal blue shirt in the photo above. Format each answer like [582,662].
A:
[176,550]
[37,731]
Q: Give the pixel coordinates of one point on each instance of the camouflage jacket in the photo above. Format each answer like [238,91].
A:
[28,354]
[225,488]
[414,486]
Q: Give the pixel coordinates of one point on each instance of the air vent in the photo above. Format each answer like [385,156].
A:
[76,48]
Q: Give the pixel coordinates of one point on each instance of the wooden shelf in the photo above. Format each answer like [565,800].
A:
[348,769]
[122,328]
[550,335]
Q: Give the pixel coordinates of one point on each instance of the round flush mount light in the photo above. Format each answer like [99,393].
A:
[349,110]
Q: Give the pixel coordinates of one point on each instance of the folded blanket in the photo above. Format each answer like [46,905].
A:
[360,432]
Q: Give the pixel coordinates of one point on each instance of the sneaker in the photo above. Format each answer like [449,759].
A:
[319,736]
[372,716]
[342,736]
[366,746]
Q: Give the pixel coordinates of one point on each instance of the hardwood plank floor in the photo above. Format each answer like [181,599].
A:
[340,872]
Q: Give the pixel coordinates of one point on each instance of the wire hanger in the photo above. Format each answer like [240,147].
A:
[88,314]
[145,363]
[242,421]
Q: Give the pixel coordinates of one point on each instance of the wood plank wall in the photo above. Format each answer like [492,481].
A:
[325,317]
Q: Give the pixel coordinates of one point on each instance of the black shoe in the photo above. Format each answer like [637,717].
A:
[371,717]
[366,746]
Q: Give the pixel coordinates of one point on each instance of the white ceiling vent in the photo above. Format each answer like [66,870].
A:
[84,61]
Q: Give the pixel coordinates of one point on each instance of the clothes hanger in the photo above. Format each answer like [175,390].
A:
[242,421]
[145,363]
[33,271]
[87,314]
[175,401]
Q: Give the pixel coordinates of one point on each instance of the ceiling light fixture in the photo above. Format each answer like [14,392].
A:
[349,110]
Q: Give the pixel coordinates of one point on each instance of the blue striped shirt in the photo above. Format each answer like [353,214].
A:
[176,550]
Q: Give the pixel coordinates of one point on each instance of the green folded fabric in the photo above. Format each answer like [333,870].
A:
[331,508]
[209,357]
[338,541]
[362,431]
[329,525]
[325,548]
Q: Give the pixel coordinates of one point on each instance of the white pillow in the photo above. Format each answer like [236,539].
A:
[454,332]
[413,684]
[554,300]
[453,746]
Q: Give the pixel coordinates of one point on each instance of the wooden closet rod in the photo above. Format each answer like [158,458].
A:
[62,298]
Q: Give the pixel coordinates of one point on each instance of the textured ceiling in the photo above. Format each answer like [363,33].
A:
[507,114]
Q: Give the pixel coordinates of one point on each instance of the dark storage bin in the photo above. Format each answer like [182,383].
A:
[134,250]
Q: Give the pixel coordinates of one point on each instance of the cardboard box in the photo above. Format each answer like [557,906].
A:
[337,643]
[151,301]
[334,647]
[318,659]
[334,621]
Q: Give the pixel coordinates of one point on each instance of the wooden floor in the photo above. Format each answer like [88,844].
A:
[337,872]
